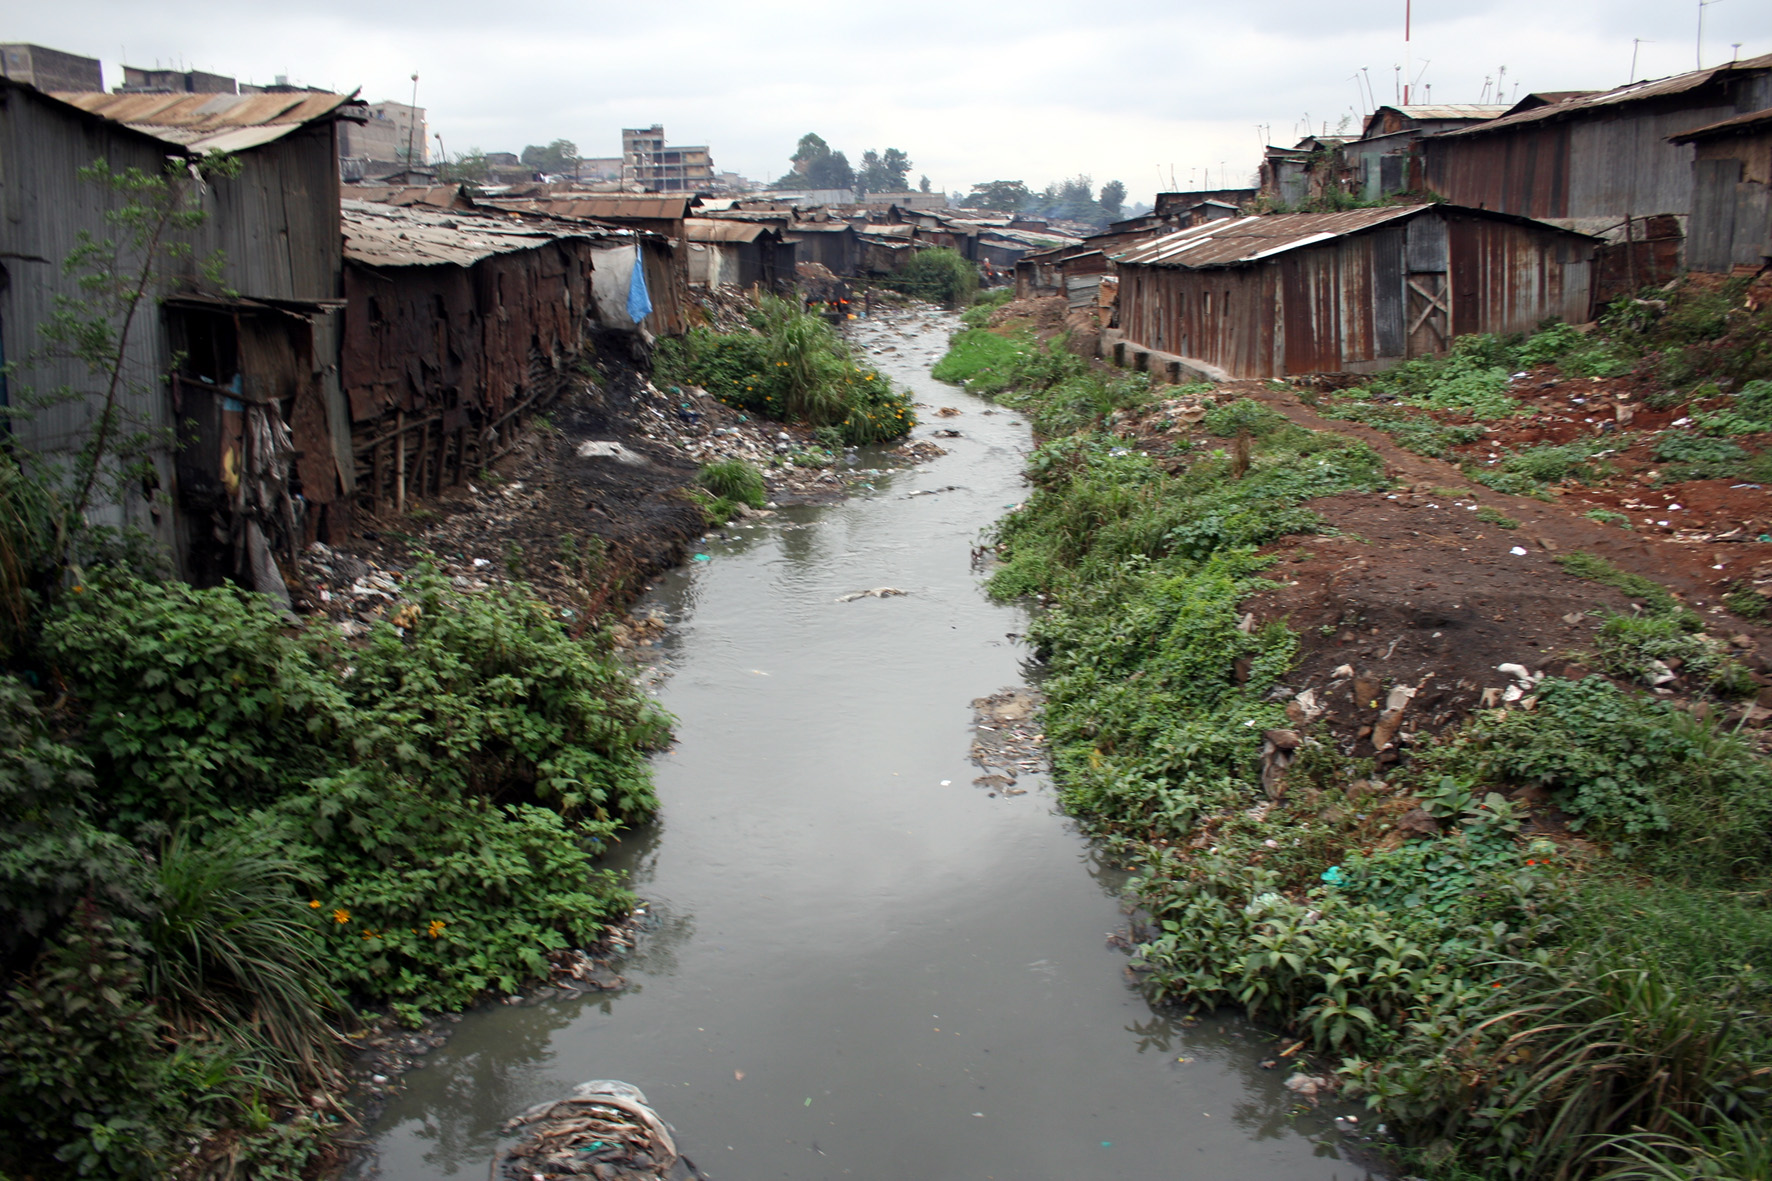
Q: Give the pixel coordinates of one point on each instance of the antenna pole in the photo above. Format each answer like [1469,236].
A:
[1408,63]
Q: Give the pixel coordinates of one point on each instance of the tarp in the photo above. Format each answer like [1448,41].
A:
[639,303]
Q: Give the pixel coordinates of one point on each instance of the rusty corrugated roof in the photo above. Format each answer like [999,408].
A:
[707,229]
[391,236]
[1635,92]
[1752,121]
[210,122]
[1229,240]
[618,206]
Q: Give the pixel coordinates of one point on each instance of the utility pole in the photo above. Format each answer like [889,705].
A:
[442,160]
[412,127]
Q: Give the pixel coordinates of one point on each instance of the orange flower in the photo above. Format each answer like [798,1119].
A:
[315,903]
[436,928]
[341,915]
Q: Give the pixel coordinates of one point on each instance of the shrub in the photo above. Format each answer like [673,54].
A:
[939,275]
[734,479]
[1749,412]
[1644,647]
[794,367]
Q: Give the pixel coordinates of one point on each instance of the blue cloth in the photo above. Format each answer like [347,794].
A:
[639,303]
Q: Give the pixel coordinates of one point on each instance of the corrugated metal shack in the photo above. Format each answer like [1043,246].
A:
[256,371]
[1731,223]
[1605,154]
[725,253]
[459,327]
[1329,292]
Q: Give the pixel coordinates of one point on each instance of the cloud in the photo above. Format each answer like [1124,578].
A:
[972,91]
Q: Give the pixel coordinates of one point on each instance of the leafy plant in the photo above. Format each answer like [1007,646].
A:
[1597,569]
[734,479]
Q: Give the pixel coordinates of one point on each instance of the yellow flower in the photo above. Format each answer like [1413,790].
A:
[341,915]
[315,903]
[369,934]
[437,926]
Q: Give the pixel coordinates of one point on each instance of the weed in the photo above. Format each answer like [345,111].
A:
[1608,517]
[1497,518]
[1596,569]
[1744,602]
[1749,412]
[734,479]
[1649,648]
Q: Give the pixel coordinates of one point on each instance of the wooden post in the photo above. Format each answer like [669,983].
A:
[400,463]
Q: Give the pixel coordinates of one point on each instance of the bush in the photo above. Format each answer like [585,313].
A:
[793,368]
[939,275]
[735,480]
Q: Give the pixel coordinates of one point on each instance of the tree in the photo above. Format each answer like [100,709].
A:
[558,157]
[887,172]
[923,184]
[468,166]
[1004,196]
[1113,200]
[830,171]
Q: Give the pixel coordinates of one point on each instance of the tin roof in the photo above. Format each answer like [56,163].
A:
[211,122]
[390,236]
[1602,99]
[1752,121]
[1449,110]
[619,206]
[435,196]
[1232,240]
[707,229]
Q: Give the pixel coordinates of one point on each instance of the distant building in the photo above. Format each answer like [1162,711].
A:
[662,169]
[157,81]
[50,69]
[393,134]
[599,168]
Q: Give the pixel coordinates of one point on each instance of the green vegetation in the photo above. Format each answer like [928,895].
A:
[1413,432]
[230,830]
[1596,569]
[792,367]
[1509,1005]
[726,485]
[984,303]
[1527,472]
[939,275]
[1608,517]
[1700,331]
[1749,412]
[1496,518]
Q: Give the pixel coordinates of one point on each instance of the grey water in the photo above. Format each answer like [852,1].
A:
[861,965]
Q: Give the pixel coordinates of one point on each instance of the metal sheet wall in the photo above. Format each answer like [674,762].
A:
[1340,304]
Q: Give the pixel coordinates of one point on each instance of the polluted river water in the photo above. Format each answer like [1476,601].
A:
[859,964]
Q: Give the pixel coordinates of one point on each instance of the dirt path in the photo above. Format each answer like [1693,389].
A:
[1686,568]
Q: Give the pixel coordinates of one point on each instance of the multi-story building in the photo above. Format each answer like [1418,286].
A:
[662,169]
[50,69]
[158,81]
[394,134]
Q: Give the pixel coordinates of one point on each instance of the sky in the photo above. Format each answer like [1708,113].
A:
[1156,95]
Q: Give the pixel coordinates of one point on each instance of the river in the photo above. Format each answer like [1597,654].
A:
[861,965]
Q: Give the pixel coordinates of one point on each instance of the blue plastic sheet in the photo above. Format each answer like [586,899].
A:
[639,302]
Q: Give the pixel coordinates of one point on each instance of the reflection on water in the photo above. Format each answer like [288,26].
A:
[860,965]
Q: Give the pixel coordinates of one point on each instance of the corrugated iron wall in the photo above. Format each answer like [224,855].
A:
[1731,221]
[1508,277]
[1524,170]
[1340,305]
[442,364]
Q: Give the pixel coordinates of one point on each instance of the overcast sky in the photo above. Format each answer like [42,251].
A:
[973,92]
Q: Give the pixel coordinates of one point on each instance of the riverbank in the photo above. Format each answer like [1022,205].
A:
[846,923]
[232,835]
[1406,767]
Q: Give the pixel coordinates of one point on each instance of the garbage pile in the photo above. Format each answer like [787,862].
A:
[604,1130]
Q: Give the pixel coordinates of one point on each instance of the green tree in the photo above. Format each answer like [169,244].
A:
[923,184]
[887,172]
[1113,200]
[1004,196]
[468,166]
[560,156]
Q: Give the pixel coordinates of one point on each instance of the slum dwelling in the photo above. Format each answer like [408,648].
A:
[238,377]
[1333,292]
[461,326]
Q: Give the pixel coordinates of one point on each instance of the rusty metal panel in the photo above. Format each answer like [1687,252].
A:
[1711,230]
[1388,328]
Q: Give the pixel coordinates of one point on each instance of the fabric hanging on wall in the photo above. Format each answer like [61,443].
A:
[639,302]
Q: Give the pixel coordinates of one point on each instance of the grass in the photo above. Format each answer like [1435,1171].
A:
[1507,1005]
[1496,518]
[1597,569]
